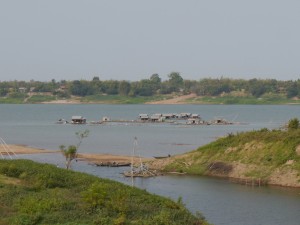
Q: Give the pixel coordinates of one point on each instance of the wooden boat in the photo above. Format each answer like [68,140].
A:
[162,157]
[112,164]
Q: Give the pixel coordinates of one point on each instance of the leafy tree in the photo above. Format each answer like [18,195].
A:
[3,91]
[155,78]
[292,90]
[70,153]
[144,88]
[124,88]
[81,88]
[110,87]
[293,124]
[256,87]
[175,81]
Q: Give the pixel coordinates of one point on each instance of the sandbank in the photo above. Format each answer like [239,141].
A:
[173,101]
[90,157]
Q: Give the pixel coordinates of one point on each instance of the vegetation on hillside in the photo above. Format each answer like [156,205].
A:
[223,90]
[33,193]
[262,153]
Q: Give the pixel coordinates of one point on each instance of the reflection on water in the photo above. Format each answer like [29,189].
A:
[220,201]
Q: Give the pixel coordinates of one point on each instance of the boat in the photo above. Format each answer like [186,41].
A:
[78,120]
[112,164]
[62,121]
[162,157]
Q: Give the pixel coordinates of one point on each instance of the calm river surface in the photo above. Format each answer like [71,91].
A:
[220,201]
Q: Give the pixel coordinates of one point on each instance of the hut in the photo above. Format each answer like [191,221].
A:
[144,117]
[105,119]
[169,115]
[156,117]
[193,121]
[195,116]
[184,115]
[78,120]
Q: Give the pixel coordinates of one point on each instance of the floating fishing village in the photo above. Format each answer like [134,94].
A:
[138,168]
[169,118]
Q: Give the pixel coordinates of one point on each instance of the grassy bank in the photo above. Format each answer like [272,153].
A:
[33,193]
[118,99]
[267,99]
[272,156]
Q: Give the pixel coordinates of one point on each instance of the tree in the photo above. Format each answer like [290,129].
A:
[124,88]
[293,124]
[70,153]
[155,82]
[144,88]
[292,90]
[110,87]
[80,88]
[175,81]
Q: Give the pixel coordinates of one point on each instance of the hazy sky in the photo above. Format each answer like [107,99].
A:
[132,39]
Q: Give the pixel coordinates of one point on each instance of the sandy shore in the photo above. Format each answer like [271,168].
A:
[173,101]
[91,157]
[63,101]
[23,149]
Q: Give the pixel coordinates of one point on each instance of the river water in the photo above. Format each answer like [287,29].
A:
[220,201]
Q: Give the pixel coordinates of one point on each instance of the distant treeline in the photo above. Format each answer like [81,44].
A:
[153,86]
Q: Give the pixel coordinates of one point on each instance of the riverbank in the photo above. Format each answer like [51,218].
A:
[257,157]
[264,157]
[70,197]
[160,99]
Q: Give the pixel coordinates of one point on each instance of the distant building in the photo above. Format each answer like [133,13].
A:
[78,120]
[22,89]
[144,117]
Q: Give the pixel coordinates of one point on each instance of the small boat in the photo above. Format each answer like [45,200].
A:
[62,121]
[162,157]
[112,164]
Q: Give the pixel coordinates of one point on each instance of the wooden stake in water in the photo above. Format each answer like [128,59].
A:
[6,148]
[135,144]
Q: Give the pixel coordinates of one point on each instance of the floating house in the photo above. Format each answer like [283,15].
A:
[195,121]
[195,116]
[144,117]
[169,115]
[156,117]
[105,119]
[184,115]
[78,120]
